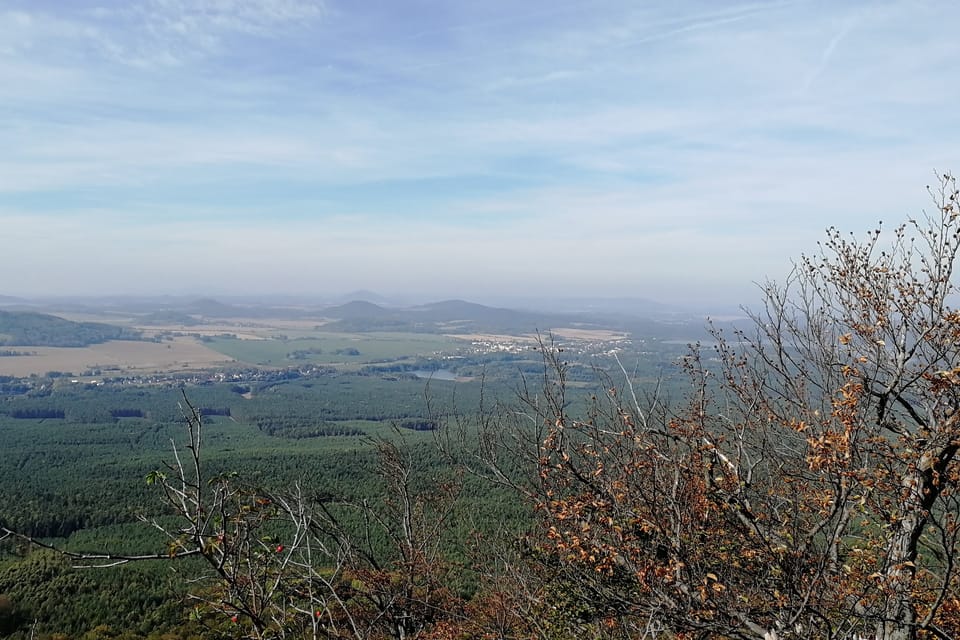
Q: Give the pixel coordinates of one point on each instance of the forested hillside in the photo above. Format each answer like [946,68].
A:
[25,328]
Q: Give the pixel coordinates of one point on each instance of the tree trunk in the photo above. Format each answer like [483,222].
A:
[899,614]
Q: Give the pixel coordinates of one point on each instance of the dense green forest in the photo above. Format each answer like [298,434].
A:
[76,455]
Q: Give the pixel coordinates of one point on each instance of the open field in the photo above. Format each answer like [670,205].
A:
[592,335]
[335,348]
[241,328]
[180,354]
[278,343]
[570,333]
[493,337]
[240,333]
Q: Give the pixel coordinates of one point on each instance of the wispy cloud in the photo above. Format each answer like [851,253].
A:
[661,142]
[152,33]
[174,31]
[826,55]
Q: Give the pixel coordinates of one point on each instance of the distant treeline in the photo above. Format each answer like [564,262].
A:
[419,425]
[215,411]
[127,413]
[38,414]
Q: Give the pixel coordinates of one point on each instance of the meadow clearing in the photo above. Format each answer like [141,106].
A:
[181,353]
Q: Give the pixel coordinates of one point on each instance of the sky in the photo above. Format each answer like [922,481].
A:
[679,151]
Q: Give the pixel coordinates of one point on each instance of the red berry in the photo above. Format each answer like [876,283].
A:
[279,548]
[233,619]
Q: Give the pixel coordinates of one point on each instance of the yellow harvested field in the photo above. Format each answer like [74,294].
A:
[204,330]
[240,328]
[115,357]
[561,332]
[588,334]
[491,337]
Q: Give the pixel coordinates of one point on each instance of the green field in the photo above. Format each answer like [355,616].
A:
[335,348]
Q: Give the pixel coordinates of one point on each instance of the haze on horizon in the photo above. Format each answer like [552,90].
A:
[669,150]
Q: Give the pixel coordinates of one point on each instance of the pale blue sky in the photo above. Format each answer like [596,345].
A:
[671,150]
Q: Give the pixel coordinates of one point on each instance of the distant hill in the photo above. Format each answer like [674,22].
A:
[360,316]
[25,328]
[357,309]
[364,295]
[452,310]
[447,316]
[207,308]
[169,317]
[212,309]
